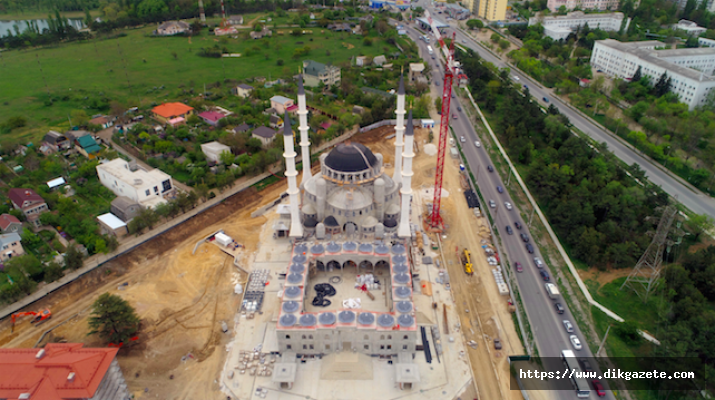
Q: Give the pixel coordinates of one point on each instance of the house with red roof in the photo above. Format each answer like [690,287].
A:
[171,111]
[211,117]
[30,203]
[61,371]
[9,224]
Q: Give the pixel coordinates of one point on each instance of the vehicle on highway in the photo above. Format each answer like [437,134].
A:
[576,343]
[552,291]
[462,139]
[568,326]
[433,56]
[477,144]
[545,275]
[545,99]
[509,231]
[497,344]
[508,205]
[514,77]
[454,116]
[524,237]
[559,308]
[492,204]
[490,168]
[586,365]
[539,264]
[580,384]
[530,248]
[436,83]
[500,189]
[464,41]
[598,388]
[517,224]
[459,108]
[451,142]
[526,87]
[518,267]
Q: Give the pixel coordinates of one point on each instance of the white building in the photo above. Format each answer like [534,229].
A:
[561,26]
[148,188]
[213,151]
[704,42]
[690,70]
[710,4]
[601,5]
[689,27]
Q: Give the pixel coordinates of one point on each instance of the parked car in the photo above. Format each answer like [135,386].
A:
[598,388]
[524,237]
[497,344]
[568,326]
[545,275]
[454,116]
[509,231]
[490,168]
[459,108]
[539,264]
[518,267]
[436,83]
[454,96]
[477,143]
[576,343]
[546,100]
[462,139]
[559,308]
[500,189]
[517,224]
[492,204]
[508,205]
[530,248]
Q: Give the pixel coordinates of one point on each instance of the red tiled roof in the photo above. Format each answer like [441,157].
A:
[46,378]
[6,220]
[291,108]
[170,110]
[19,196]
[211,115]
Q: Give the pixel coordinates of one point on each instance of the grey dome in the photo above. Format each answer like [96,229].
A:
[295,278]
[310,222]
[300,259]
[385,320]
[330,221]
[401,306]
[292,292]
[398,249]
[399,278]
[366,248]
[366,318]
[382,249]
[405,320]
[399,259]
[293,306]
[333,247]
[300,249]
[390,222]
[317,249]
[400,268]
[349,246]
[326,318]
[346,317]
[288,320]
[402,292]
[350,157]
[298,268]
[307,320]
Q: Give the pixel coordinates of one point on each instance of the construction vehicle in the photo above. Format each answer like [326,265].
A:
[39,317]
[467,262]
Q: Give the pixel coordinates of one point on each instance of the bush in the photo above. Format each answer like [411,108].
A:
[279,62]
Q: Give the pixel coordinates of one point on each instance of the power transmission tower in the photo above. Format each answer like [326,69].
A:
[644,277]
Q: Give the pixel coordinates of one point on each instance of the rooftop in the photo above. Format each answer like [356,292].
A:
[7,219]
[215,147]
[244,86]
[281,99]
[580,15]
[350,157]
[170,110]
[265,132]
[7,239]
[56,182]
[139,179]
[19,196]
[111,220]
[211,115]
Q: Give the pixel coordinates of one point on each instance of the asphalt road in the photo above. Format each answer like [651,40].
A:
[548,328]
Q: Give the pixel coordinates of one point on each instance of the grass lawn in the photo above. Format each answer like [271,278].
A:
[627,304]
[78,73]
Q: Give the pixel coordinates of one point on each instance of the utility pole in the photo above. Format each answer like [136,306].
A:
[603,342]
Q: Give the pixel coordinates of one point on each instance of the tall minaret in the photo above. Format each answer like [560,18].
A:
[303,128]
[399,130]
[403,230]
[296,229]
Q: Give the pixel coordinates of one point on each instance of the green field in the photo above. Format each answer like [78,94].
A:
[627,304]
[80,74]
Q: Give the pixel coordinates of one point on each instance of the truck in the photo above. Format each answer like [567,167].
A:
[552,291]
[467,262]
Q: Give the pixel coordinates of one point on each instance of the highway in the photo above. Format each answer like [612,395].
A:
[546,324]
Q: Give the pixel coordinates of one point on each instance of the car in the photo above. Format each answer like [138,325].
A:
[454,96]
[454,116]
[497,344]
[599,70]
[539,264]
[586,365]
[464,41]
[518,267]
[500,189]
[477,144]
[492,204]
[436,83]
[546,100]
[568,326]
[509,231]
[514,77]
[517,225]
[462,139]
[433,56]
[576,343]
[526,87]
[490,168]
[508,205]
[559,308]
[524,237]
[530,248]
[545,275]
[598,388]
[459,108]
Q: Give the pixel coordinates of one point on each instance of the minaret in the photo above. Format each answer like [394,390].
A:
[296,229]
[403,230]
[303,128]
[399,130]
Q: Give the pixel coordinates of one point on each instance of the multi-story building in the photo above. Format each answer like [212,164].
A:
[30,203]
[148,188]
[690,70]
[9,224]
[167,112]
[10,246]
[601,5]
[491,10]
[710,4]
[559,27]
[314,73]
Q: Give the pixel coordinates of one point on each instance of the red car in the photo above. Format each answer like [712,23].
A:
[454,116]
[598,388]
[518,266]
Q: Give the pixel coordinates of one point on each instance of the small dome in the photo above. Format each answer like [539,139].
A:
[330,221]
[308,209]
[310,222]
[350,157]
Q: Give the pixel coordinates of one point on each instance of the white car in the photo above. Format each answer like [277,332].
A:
[462,139]
[514,77]
[492,204]
[575,342]
[476,143]
[568,326]
[508,205]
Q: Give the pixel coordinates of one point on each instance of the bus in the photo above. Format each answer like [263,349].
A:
[429,49]
[579,383]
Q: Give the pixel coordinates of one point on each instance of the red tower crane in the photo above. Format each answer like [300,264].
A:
[436,218]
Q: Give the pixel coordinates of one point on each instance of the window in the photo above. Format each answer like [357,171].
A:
[311,347]
[310,337]
[382,347]
[303,337]
[404,347]
[327,347]
[389,337]
[288,347]
[389,347]
[382,337]
[367,347]
[305,347]
[287,336]
[405,337]
[147,192]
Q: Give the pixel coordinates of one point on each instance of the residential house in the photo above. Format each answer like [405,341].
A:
[265,134]
[379,60]
[358,110]
[103,121]
[72,136]
[263,33]
[275,122]
[10,224]
[243,128]
[56,183]
[229,30]
[416,71]
[149,188]
[61,371]
[125,208]
[10,246]
[315,73]
[689,27]
[211,117]
[362,61]
[235,20]
[213,151]
[109,224]
[46,150]
[172,111]
[30,203]
[270,111]
[368,18]
[169,28]
[242,90]
[87,146]
[293,110]
[56,141]
[280,103]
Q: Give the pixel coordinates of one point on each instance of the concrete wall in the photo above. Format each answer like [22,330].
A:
[368,341]
[113,386]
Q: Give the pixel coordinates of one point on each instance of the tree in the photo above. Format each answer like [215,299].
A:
[475,24]
[495,37]
[227,158]
[53,272]
[152,10]
[637,75]
[662,86]
[113,318]
[79,117]
[73,259]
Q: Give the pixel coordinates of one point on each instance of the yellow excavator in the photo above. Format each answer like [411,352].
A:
[467,262]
